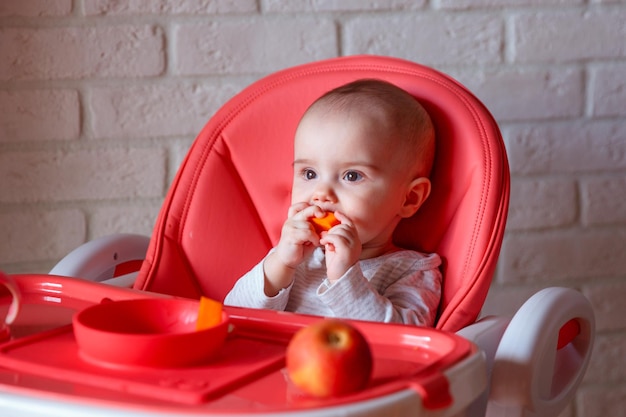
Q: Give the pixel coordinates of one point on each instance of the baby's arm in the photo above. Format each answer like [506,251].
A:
[249,292]
[343,247]
[410,299]
[297,241]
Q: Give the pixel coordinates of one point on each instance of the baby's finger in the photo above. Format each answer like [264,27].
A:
[337,239]
[343,219]
[296,208]
[308,212]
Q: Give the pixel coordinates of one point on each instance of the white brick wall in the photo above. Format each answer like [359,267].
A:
[39,115]
[154,109]
[77,52]
[99,100]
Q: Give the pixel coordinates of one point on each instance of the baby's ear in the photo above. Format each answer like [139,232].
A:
[417,192]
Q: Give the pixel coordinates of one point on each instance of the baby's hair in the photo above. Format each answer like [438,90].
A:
[402,112]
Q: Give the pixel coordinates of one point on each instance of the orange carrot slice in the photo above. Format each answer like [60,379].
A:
[325,223]
[209,313]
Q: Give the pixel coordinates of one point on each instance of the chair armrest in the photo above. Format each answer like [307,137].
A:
[543,355]
[486,333]
[98,259]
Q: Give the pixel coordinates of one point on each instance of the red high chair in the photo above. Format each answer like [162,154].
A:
[226,206]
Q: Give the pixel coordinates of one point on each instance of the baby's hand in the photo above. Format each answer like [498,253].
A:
[297,241]
[343,247]
[297,238]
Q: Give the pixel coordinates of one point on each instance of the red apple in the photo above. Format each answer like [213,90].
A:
[329,358]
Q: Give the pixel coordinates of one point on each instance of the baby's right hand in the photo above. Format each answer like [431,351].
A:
[297,239]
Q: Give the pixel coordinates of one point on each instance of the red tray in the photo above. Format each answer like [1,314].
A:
[247,374]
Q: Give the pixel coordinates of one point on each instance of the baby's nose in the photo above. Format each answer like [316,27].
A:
[324,194]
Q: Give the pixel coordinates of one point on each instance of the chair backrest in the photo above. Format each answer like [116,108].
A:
[226,206]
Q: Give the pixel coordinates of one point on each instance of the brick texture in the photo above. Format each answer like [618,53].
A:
[35,8]
[100,100]
[241,46]
[81,175]
[472,4]
[540,93]
[110,219]
[167,7]
[542,149]
[608,350]
[609,90]
[563,255]
[155,109]
[601,207]
[39,115]
[340,5]
[57,233]
[81,52]
[542,203]
[556,36]
[471,39]
[608,304]
[603,401]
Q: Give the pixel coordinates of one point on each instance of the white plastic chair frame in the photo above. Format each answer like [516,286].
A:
[530,375]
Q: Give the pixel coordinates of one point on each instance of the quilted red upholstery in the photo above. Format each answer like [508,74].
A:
[226,206]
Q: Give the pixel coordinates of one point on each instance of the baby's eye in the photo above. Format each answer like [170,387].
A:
[352,176]
[309,174]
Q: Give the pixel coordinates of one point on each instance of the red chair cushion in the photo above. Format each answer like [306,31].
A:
[226,206]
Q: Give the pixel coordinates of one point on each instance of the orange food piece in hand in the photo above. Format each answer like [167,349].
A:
[325,223]
[209,313]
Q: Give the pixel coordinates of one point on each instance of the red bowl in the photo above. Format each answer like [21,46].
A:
[147,332]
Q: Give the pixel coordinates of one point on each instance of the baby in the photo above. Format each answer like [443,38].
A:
[363,151]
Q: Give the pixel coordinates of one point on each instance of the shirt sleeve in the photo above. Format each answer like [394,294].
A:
[249,292]
[412,298]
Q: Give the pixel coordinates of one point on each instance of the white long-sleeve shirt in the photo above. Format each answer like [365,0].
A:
[400,287]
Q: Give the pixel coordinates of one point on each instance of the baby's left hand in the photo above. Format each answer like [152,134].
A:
[343,247]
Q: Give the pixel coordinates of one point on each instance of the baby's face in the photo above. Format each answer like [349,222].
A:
[351,165]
